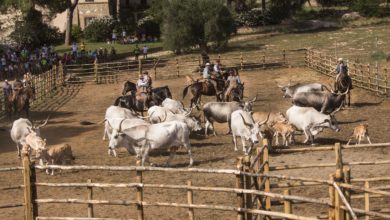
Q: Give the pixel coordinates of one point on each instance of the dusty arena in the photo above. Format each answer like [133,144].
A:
[88,102]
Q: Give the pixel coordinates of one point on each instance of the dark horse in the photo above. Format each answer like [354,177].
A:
[343,83]
[157,94]
[130,102]
[202,88]
[236,94]
[20,102]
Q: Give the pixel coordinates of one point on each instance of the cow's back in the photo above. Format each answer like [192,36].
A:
[167,134]
[118,112]
[220,111]
[19,130]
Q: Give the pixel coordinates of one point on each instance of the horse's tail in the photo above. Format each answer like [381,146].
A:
[185,91]
[116,103]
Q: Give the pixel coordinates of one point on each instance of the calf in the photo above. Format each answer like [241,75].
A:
[360,132]
[56,155]
[284,129]
[274,117]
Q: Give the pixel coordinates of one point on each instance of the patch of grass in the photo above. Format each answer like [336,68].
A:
[120,48]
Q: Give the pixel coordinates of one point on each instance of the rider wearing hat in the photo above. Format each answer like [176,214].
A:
[340,67]
[207,75]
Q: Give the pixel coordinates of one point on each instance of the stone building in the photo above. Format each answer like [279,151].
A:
[87,10]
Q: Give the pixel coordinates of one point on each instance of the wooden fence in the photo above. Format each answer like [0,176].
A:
[366,76]
[161,68]
[45,85]
[252,188]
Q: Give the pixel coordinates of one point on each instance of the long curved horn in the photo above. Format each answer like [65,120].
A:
[324,86]
[245,123]
[120,125]
[44,123]
[338,109]
[279,86]
[346,92]
[187,114]
[265,121]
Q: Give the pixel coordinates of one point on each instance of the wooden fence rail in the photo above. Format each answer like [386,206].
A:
[366,76]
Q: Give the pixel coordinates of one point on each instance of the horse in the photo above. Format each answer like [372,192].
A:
[157,94]
[21,101]
[236,94]
[202,88]
[130,102]
[129,86]
[343,83]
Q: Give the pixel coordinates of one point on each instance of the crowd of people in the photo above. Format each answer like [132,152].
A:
[80,54]
[15,63]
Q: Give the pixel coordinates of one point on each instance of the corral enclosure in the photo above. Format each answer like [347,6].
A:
[88,102]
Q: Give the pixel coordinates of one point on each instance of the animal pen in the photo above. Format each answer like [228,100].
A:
[255,189]
[257,192]
[369,77]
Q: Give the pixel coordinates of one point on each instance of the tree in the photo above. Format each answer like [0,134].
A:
[71,5]
[188,23]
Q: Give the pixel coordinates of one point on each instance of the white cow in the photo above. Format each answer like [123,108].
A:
[23,132]
[290,90]
[311,121]
[159,114]
[144,138]
[174,106]
[115,112]
[242,125]
[119,124]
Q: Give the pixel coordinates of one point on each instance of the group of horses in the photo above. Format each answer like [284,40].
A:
[130,101]
[201,87]
[18,101]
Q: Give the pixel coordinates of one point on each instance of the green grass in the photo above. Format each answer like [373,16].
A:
[120,48]
[352,43]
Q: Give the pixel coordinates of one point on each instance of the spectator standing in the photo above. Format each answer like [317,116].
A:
[124,37]
[136,52]
[113,38]
[145,52]
[82,47]
[74,49]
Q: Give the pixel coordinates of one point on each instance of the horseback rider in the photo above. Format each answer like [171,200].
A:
[233,80]
[207,76]
[144,85]
[217,69]
[340,67]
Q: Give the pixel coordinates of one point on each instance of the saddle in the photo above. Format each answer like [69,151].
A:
[142,94]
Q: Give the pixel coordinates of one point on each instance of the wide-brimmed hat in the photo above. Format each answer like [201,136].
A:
[340,59]
[207,64]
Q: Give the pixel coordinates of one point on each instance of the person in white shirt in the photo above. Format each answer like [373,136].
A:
[207,76]
[145,51]
[217,68]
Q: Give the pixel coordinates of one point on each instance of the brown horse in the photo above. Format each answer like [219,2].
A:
[202,88]
[16,103]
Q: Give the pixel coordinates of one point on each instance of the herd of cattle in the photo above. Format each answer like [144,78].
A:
[168,125]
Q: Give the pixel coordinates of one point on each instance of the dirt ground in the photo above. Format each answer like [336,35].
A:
[88,102]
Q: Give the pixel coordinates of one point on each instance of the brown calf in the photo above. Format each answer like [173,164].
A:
[56,155]
[273,117]
[360,132]
[284,129]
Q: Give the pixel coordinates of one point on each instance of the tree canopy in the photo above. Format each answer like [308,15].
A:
[188,23]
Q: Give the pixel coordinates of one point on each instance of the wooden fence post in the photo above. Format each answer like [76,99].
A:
[287,203]
[339,213]
[267,186]
[369,76]
[242,61]
[190,199]
[140,195]
[140,66]
[240,185]
[386,82]
[366,200]
[248,184]
[90,197]
[332,191]
[96,72]
[155,68]
[177,67]
[30,193]
[347,192]
[264,60]
[284,56]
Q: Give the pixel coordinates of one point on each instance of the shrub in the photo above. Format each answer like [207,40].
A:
[77,33]
[370,8]
[100,29]
[251,18]
[149,27]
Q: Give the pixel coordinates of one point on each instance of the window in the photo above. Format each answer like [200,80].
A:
[88,20]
